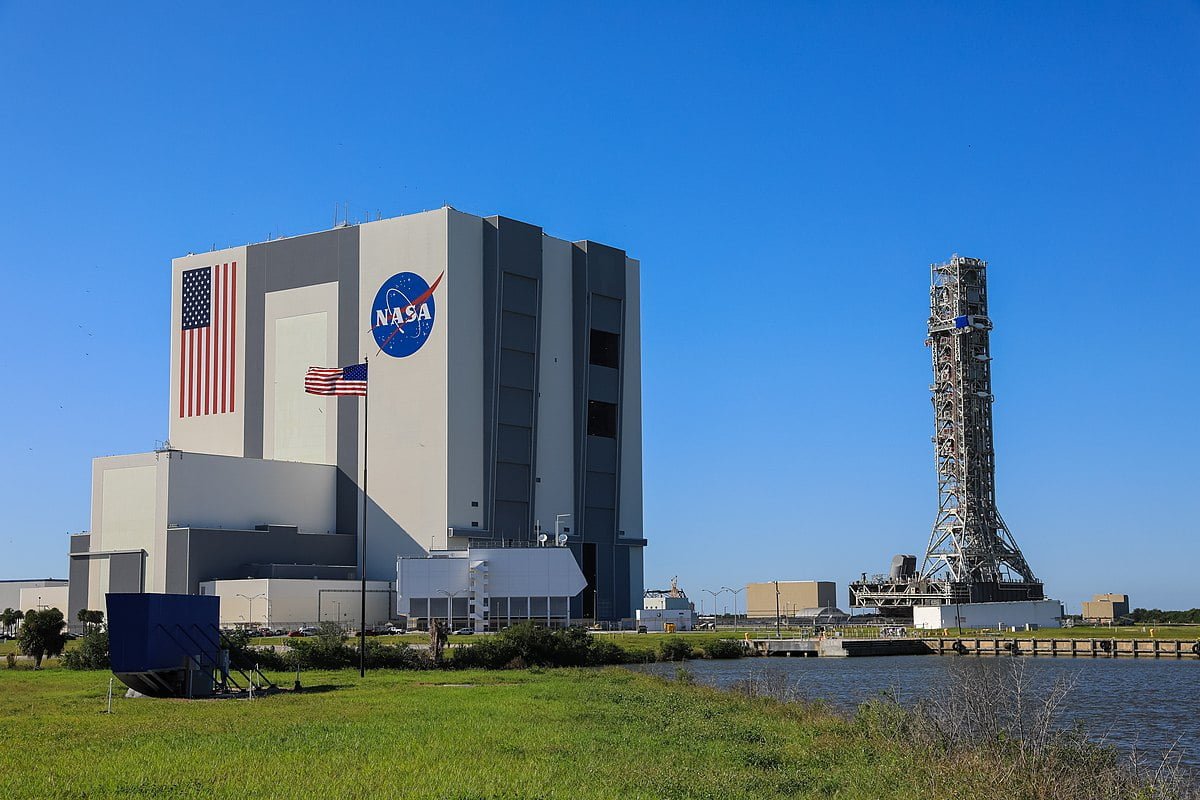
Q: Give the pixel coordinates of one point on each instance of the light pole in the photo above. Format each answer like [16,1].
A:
[450,606]
[250,598]
[714,597]
[778,633]
[558,518]
[735,593]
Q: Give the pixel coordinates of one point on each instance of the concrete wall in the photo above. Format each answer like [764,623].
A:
[286,603]
[409,438]
[221,492]
[1043,613]
[301,331]
[554,434]
[38,598]
[10,592]
[195,555]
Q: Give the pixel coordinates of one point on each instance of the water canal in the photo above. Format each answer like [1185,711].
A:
[1150,705]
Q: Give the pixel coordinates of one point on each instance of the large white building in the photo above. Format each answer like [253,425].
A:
[489,588]
[504,390]
[997,616]
[23,595]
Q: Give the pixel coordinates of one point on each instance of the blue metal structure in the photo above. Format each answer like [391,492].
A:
[164,645]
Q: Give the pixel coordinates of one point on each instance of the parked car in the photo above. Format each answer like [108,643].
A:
[464,631]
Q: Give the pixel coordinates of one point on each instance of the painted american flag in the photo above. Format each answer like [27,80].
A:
[208,340]
[337,381]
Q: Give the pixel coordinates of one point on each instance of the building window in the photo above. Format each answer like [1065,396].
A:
[602,419]
[605,349]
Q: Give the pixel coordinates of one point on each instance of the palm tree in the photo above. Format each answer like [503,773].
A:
[84,617]
[8,619]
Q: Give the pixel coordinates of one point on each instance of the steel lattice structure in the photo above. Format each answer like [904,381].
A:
[971,556]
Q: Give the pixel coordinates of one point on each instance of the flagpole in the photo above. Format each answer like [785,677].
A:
[362,639]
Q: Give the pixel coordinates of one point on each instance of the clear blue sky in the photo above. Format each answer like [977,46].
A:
[785,174]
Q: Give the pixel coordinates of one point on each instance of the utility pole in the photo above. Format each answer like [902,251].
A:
[735,593]
[714,599]
[778,632]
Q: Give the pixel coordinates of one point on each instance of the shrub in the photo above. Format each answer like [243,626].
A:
[531,645]
[674,649]
[322,652]
[722,648]
[604,651]
[401,656]
[92,652]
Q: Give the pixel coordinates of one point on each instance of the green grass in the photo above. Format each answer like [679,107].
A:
[556,734]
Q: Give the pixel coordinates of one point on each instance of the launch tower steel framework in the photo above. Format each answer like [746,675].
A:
[971,556]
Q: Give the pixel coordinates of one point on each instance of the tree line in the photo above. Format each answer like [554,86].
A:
[1147,615]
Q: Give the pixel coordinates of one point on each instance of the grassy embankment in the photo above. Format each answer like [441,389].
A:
[559,733]
[469,734]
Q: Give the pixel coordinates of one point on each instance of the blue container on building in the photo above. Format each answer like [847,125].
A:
[164,645]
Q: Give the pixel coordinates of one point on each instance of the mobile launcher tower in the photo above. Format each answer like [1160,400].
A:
[972,557]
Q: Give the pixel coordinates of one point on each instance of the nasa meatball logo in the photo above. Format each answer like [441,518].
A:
[403,313]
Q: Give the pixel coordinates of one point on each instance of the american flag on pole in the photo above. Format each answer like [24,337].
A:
[338,381]
[207,340]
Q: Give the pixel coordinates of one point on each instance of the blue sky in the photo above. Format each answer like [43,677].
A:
[785,173]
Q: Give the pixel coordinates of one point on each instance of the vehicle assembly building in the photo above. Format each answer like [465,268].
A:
[971,556]
[504,395]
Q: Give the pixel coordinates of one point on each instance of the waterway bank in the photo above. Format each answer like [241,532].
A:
[1151,705]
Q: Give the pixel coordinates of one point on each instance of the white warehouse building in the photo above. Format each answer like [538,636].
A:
[486,588]
[1002,615]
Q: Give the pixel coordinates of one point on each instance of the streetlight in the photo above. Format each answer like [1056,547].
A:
[558,518]
[735,593]
[250,598]
[450,606]
[778,634]
[714,597]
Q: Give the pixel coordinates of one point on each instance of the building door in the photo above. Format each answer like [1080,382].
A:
[589,574]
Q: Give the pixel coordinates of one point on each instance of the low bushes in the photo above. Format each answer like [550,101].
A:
[327,650]
[674,650]
[531,645]
[722,648]
[92,652]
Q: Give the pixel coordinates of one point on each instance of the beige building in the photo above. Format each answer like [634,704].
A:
[42,598]
[1106,609]
[794,597]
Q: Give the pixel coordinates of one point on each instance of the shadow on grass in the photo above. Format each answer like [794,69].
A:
[320,688]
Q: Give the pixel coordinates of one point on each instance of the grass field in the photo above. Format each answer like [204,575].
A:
[560,733]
